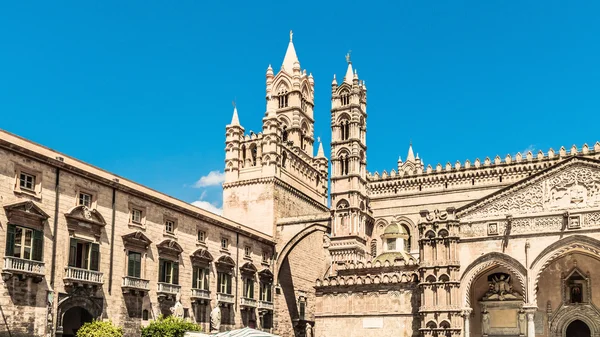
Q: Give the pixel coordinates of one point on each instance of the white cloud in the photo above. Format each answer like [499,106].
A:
[208,206]
[213,178]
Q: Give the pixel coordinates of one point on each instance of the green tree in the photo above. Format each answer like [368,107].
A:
[100,329]
[169,327]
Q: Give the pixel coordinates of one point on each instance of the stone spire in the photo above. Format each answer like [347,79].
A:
[235,121]
[349,72]
[411,155]
[290,56]
[320,152]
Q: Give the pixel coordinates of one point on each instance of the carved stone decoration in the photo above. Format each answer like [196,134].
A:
[573,184]
[586,313]
[81,218]
[500,288]
[493,228]
[215,319]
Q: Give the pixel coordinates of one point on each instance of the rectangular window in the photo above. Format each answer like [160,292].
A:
[224,283]
[249,288]
[247,251]
[136,216]
[302,310]
[168,271]
[200,278]
[84,255]
[201,236]
[265,257]
[134,264]
[266,292]
[391,244]
[169,226]
[85,199]
[224,243]
[27,181]
[24,243]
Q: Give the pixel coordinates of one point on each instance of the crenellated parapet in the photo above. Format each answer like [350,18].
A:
[463,175]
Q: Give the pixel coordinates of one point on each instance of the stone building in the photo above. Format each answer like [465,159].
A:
[494,247]
[81,243]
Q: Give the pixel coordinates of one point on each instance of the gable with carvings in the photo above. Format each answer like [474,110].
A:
[569,186]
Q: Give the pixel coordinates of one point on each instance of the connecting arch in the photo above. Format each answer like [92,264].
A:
[317,227]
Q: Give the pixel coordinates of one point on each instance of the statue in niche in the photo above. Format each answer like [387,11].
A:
[485,322]
[215,319]
[177,309]
[500,289]
[522,323]
[576,293]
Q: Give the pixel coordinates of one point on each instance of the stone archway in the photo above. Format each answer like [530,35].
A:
[80,308]
[562,320]
[578,328]
[73,319]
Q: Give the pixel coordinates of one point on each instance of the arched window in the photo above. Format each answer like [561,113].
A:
[243,155]
[253,152]
[346,165]
[283,97]
[283,159]
[284,133]
[302,145]
[345,98]
[345,129]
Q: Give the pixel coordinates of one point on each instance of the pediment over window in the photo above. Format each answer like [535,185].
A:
[573,184]
[84,214]
[137,239]
[170,247]
[265,274]
[225,262]
[201,256]
[248,268]
[25,212]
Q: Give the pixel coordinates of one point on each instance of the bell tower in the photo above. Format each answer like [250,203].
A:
[290,94]
[352,216]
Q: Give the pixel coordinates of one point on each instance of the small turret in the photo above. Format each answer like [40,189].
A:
[234,134]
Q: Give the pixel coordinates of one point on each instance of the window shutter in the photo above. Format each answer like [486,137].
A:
[38,245]
[228,278]
[161,270]
[95,257]
[130,264]
[10,240]
[195,278]
[73,253]
[175,273]
[219,282]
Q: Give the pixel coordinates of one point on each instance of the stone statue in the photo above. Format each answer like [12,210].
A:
[177,309]
[485,322]
[215,319]
[522,323]
[308,330]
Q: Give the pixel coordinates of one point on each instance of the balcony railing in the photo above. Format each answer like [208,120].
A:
[73,274]
[135,283]
[265,305]
[200,294]
[14,264]
[248,302]
[167,288]
[225,298]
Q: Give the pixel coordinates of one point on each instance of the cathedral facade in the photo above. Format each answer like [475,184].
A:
[308,246]
[503,246]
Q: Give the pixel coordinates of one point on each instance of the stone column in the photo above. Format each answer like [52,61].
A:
[466,313]
[530,312]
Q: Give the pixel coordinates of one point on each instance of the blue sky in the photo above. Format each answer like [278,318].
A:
[144,88]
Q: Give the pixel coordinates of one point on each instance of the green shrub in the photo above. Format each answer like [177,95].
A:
[99,329]
[169,327]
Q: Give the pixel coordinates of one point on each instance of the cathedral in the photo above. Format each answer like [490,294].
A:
[502,246]
[310,244]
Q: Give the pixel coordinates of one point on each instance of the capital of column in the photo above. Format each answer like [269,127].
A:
[466,312]
[530,308]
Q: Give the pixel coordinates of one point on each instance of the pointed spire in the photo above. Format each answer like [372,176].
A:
[320,152]
[349,72]
[235,121]
[290,56]
[411,156]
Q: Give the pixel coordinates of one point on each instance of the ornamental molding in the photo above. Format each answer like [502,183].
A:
[571,185]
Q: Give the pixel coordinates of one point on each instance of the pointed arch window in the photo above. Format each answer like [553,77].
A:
[283,159]
[284,133]
[283,98]
[345,129]
[345,98]
[253,153]
[243,155]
